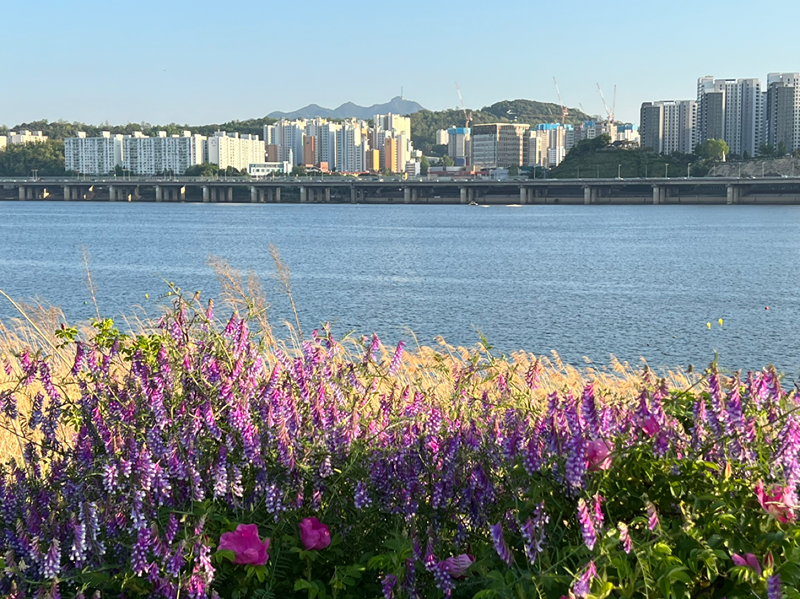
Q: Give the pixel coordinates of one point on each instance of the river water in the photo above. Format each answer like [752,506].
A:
[633,281]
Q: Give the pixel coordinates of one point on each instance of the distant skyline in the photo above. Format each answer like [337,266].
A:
[199,62]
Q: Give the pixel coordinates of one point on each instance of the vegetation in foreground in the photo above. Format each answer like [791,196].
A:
[203,460]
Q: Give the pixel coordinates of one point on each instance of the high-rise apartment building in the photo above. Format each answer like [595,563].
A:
[288,136]
[669,126]
[237,151]
[309,151]
[782,111]
[144,155]
[732,110]
[93,155]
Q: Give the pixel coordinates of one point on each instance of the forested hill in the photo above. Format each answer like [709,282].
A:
[425,123]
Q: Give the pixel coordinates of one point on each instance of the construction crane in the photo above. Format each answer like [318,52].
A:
[609,111]
[564,111]
[467,113]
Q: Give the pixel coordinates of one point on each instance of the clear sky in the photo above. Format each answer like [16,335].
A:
[209,61]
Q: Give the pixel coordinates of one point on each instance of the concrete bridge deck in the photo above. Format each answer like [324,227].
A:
[717,190]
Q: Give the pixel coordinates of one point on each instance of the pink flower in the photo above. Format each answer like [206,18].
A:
[246,544]
[598,454]
[314,534]
[458,565]
[748,560]
[778,501]
[650,426]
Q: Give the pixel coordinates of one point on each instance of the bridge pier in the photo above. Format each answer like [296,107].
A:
[659,194]
[278,194]
[112,193]
[463,195]
[414,195]
[406,195]
[21,191]
[206,195]
[523,195]
[352,195]
[328,194]
[159,196]
[253,195]
[303,196]
[589,195]
[733,194]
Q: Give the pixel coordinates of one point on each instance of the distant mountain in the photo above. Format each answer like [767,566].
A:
[396,105]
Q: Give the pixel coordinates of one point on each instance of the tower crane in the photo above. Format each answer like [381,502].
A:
[564,110]
[467,113]
[609,111]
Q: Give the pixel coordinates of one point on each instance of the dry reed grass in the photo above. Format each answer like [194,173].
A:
[440,372]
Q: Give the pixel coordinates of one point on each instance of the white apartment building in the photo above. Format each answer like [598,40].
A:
[547,145]
[144,155]
[93,155]
[288,136]
[351,147]
[442,137]
[25,137]
[237,151]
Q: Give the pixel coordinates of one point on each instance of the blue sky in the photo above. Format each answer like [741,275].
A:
[207,61]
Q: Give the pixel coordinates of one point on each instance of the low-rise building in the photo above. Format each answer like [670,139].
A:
[25,137]
[413,168]
[266,169]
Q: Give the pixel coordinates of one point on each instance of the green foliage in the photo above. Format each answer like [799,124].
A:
[424,165]
[588,146]
[513,170]
[608,162]
[712,149]
[59,130]
[299,171]
[447,161]
[202,170]
[19,160]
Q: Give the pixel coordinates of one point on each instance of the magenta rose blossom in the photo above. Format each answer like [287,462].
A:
[246,544]
[598,454]
[314,534]
[458,565]
[778,501]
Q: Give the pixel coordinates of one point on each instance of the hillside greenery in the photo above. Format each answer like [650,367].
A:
[20,160]
[425,123]
[597,157]
[58,130]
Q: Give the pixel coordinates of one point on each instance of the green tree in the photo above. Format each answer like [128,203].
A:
[781,148]
[713,149]
[20,160]
[447,161]
[513,170]
[424,165]
[767,150]
[202,170]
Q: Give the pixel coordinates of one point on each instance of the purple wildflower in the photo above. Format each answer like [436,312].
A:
[583,585]
[499,543]
[625,537]
[362,498]
[774,587]
[52,561]
[396,358]
[387,584]
[652,516]
[587,526]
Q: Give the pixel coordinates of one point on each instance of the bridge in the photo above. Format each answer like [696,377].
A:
[388,190]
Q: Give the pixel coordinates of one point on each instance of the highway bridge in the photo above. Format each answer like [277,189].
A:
[338,189]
